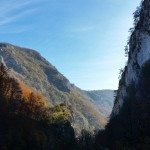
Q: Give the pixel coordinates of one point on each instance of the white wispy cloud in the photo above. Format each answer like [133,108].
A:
[12,18]
[11,11]
[7,7]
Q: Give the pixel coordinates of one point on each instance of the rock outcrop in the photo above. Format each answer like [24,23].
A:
[139,55]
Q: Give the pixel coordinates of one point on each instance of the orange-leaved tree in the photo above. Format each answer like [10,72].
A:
[17,98]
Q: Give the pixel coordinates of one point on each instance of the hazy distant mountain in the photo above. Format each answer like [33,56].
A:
[31,68]
[103,99]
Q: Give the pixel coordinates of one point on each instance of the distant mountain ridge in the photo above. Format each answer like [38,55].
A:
[35,71]
[104,99]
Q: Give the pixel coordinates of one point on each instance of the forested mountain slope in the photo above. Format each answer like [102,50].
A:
[31,68]
[27,121]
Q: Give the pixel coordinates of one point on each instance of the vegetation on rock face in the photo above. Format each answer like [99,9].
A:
[130,127]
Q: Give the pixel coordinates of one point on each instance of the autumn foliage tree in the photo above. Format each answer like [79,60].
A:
[17,98]
[33,104]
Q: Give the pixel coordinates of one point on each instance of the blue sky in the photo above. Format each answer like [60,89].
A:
[83,39]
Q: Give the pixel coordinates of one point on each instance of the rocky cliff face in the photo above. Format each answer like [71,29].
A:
[139,54]
[129,125]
